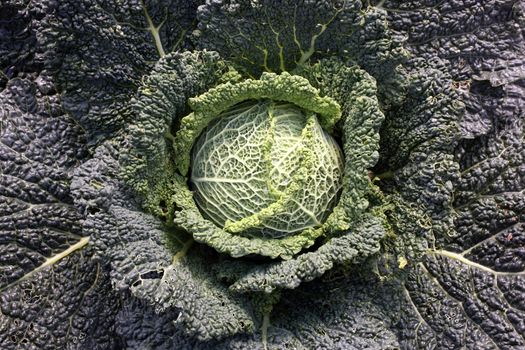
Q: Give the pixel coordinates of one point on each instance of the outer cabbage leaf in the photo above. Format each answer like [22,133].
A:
[18,30]
[279,35]
[475,276]
[99,51]
[481,43]
[326,314]
[148,163]
[323,313]
[416,168]
[52,294]
[141,327]
[352,248]
[465,291]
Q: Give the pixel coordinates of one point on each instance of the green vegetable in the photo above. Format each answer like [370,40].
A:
[407,149]
[264,171]
[268,168]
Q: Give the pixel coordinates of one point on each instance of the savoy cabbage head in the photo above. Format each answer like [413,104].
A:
[241,174]
[286,157]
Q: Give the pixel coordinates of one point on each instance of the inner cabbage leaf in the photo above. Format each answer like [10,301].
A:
[266,168]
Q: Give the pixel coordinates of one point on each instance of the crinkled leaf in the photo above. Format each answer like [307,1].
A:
[101,49]
[53,295]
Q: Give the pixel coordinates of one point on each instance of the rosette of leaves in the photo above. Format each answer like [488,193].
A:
[162,170]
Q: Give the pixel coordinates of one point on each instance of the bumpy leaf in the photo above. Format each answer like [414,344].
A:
[101,49]
[52,293]
[482,43]
[464,293]
[325,313]
[476,278]
[279,35]
[17,42]
[348,249]
[148,164]
[152,261]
